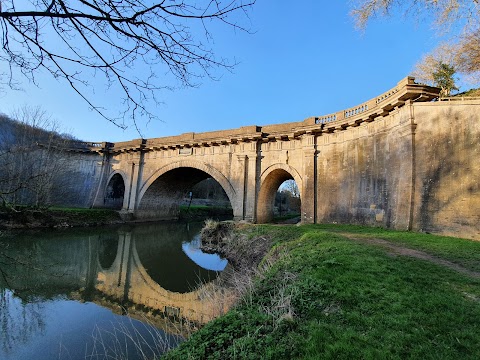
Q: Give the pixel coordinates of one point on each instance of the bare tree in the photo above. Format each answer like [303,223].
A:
[459,17]
[468,55]
[292,188]
[30,157]
[424,69]
[445,13]
[438,68]
[287,198]
[123,42]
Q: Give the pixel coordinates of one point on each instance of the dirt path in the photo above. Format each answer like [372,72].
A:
[396,249]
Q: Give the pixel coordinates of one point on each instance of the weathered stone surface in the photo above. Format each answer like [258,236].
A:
[77,184]
[447,182]
[398,161]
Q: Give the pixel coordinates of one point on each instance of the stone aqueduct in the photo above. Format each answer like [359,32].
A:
[405,160]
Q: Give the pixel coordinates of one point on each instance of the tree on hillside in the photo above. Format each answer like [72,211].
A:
[459,17]
[30,157]
[121,42]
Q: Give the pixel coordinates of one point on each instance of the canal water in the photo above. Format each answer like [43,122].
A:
[121,292]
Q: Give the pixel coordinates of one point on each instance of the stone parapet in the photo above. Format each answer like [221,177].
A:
[399,160]
[380,106]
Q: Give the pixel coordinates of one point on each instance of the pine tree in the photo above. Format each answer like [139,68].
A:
[443,77]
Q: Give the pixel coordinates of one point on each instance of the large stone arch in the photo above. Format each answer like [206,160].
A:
[146,208]
[270,179]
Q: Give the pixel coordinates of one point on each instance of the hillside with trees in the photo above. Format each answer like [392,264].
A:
[31,160]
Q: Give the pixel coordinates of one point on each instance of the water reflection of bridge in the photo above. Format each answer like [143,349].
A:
[127,280]
[130,267]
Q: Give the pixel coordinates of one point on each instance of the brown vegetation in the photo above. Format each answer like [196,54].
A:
[245,253]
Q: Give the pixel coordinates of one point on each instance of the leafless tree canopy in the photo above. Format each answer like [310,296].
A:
[292,188]
[123,42]
[444,12]
[468,60]
[424,69]
[459,17]
[30,157]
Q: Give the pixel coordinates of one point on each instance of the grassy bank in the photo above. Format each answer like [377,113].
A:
[194,212]
[350,292]
[25,218]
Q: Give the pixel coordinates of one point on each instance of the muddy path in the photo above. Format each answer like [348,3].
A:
[395,249]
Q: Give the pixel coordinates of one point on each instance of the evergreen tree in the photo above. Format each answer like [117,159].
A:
[443,77]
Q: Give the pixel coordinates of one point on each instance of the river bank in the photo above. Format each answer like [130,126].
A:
[323,291]
[331,291]
[27,218]
[57,218]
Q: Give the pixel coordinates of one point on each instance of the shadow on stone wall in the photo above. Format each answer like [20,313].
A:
[448,168]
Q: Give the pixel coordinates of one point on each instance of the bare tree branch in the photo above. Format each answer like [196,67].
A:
[29,157]
[445,13]
[128,44]
[460,17]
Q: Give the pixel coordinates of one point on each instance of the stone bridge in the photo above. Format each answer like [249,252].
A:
[404,159]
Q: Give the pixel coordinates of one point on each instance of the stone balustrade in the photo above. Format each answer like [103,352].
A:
[380,106]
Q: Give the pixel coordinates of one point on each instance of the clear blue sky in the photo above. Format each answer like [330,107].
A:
[305,59]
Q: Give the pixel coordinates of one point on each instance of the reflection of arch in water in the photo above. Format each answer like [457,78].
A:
[167,263]
[211,262]
[107,251]
[128,280]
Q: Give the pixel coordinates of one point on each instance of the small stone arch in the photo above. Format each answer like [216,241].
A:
[270,180]
[119,172]
[115,191]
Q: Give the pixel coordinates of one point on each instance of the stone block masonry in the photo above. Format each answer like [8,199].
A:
[403,160]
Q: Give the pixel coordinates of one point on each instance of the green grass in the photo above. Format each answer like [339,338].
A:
[471,92]
[461,251]
[350,301]
[279,219]
[204,211]
[82,214]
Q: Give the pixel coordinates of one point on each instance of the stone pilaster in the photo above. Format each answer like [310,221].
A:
[239,210]
[248,182]
[309,189]
[103,169]
[130,198]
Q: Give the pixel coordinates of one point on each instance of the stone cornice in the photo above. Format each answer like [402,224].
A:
[405,91]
